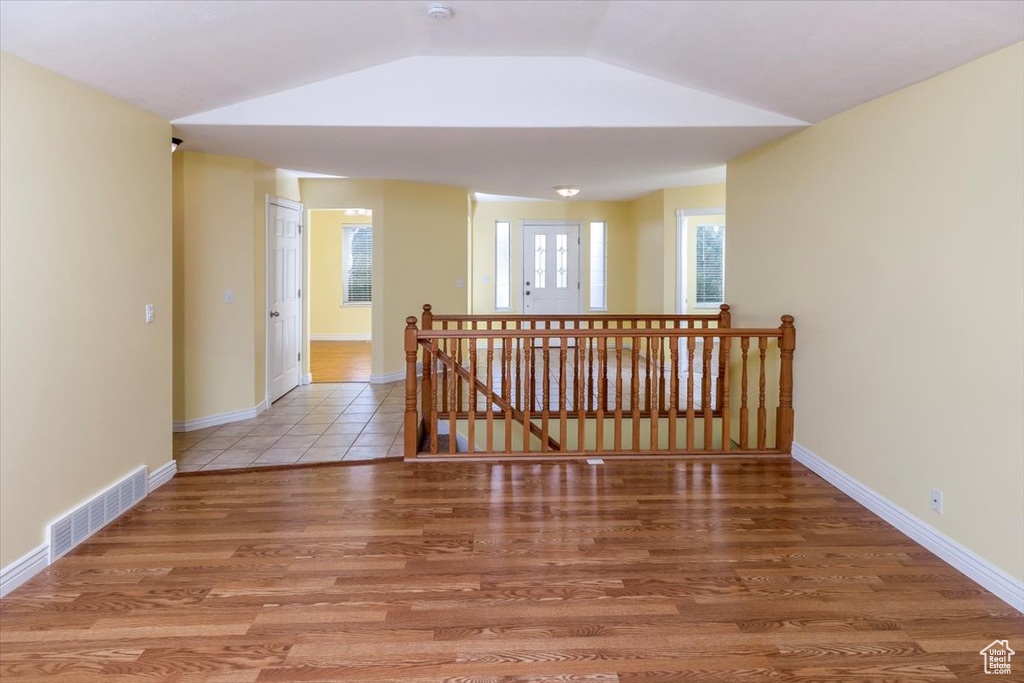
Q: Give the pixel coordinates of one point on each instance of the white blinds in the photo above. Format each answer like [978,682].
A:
[357,253]
[710,264]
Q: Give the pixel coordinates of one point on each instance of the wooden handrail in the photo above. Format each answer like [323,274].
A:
[626,333]
[723,314]
[648,387]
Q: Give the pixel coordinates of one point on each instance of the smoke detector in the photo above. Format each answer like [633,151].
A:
[439,12]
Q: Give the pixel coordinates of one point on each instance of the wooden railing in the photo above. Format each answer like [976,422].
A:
[596,386]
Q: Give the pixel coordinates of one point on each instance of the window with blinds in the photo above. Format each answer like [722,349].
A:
[357,259]
[710,265]
[502,265]
[598,266]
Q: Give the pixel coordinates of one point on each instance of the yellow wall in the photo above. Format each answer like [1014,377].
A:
[220,245]
[621,248]
[648,217]
[85,243]
[856,226]
[287,185]
[420,251]
[329,315]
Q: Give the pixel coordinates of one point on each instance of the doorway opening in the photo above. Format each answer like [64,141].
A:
[340,294]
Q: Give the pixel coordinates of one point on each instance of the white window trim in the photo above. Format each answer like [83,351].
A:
[681,255]
[345,303]
[509,265]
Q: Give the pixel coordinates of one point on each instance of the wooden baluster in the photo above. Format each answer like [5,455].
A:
[433,411]
[429,361]
[531,349]
[762,417]
[618,392]
[490,394]
[506,389]
[519,366]
[654,348]
[577,371]
[673,413]
[634,397]
[724,321]
[784,413]
[602,390]
[592,347]
[744,412]
[662,352]
[453,422]
[444,370]
[581,405]
[545,391]
[527,342]
[723,390]
[471,414]
[459,407]
[563,424]
[705,401]
[411,419]
[691,345]
[648,377]
[604,370]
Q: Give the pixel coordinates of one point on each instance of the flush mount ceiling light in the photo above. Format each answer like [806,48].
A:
[175,143]
[439,12]
[567,192]
[358,212]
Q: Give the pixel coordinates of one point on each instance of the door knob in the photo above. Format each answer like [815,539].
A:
[274,314]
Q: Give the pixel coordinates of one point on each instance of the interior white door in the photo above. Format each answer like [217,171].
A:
[285,299]
[551,268]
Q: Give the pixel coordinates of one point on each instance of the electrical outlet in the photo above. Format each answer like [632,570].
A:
[936,504]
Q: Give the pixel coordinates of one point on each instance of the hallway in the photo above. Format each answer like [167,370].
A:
[339,361]
[311,424]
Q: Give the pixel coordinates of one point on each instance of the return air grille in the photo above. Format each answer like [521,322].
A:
[82,522]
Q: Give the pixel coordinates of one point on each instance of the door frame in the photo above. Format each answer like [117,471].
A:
[268,200]
[682,257]
[523,224]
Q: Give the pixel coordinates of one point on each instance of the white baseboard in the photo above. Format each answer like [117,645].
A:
[344,336]
[222,418]
[38,559]
[972,565]
[394,376]
[306,379]
[163,474]
[23,569]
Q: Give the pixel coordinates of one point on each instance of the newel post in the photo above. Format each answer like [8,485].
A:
[411,426]
[724,321]
[427,391]
[784,415]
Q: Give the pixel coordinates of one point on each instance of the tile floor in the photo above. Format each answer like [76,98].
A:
[314,423]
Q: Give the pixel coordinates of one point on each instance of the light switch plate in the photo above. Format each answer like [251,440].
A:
[460,282]
[150,315]
[229,297]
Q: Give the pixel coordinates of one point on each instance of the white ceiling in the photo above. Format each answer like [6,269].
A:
[786,59]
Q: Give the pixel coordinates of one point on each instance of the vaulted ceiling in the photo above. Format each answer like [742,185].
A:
[619,97]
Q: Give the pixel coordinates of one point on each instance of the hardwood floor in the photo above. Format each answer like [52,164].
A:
[628,572]
[339,361]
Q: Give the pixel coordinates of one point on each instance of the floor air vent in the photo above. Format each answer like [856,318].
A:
[90,517]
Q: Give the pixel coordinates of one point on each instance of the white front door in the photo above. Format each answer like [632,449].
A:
[551,268]
[285,302]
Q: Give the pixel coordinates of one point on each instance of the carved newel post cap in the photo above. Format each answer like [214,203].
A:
[410,321]
[724,307]
[427,308]
[787,320]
